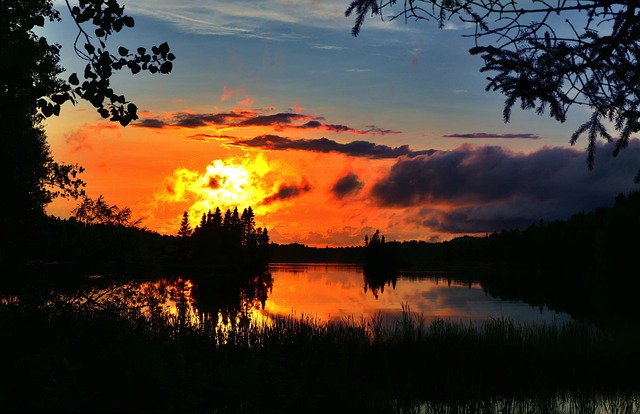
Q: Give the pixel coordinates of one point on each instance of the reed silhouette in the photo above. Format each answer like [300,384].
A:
[70,359]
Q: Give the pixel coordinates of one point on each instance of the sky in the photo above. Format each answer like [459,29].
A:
[328,137]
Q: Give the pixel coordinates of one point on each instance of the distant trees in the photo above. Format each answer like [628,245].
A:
[231,238]
[91,211]
[547,55]
[601,240]
[380,255]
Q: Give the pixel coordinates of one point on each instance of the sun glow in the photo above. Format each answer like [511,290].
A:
[233,182]
[225,183]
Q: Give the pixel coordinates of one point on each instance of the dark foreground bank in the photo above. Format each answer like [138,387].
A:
[56,358]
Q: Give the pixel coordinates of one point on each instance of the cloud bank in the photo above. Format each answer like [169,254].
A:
[240,118]
[483,135]
[355,148]
[490,188]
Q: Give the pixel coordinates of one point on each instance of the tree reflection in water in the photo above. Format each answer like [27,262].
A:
[376,279]
[213,304]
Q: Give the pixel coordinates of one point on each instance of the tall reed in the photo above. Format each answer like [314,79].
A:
[76,360]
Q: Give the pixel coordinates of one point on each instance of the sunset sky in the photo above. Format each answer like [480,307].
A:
[328,137]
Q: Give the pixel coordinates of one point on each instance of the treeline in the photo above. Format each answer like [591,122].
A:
[231,238]
[605,239]
[95,242]
[300,253]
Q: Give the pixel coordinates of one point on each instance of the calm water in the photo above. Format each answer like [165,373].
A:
[332,291]
[322,292]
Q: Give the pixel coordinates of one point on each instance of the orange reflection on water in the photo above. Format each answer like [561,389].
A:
[176,300]
[336,292]
[330,292]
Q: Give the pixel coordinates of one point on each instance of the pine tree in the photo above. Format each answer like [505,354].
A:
[216,220]
[264,240]
[185,228]
[226,222]
[248,226]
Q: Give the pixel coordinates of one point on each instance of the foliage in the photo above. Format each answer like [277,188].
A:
[59,359]
[301,253]
[91,211]
[569,54]
[232,238]
[380,256]
[585,241]
[29,69]
[32,90]
[185,228]
[107,18]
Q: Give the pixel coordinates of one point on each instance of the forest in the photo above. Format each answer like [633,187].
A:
[599,240]
[101,239]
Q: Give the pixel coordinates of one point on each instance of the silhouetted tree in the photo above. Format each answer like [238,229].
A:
[203,222]
[548,55]
[216,220]
[29,69]
[185,228]
[226,221]
[91,211]
[380,255]
[232,239]
[32,90]
[264,237]
[248,227]
[104,18]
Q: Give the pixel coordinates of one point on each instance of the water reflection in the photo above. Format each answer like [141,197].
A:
[328,292]
[375,281]
[323,292]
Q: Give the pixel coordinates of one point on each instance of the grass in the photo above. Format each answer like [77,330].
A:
[62,359]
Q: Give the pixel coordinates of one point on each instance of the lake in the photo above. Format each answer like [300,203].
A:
[221,309]
[333,292]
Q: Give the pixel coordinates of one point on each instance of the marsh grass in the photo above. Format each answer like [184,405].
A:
[558,404]
[77,360]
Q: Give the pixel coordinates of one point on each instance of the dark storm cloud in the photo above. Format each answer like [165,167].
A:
[340,128]
[489,135]
[311,125]
[282,118]
[350,184]
[150,123]
[327,127]
[371,129]
[354,148]
[250,118]
[288,191]
[191,120]
[492,188]
[187,120]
